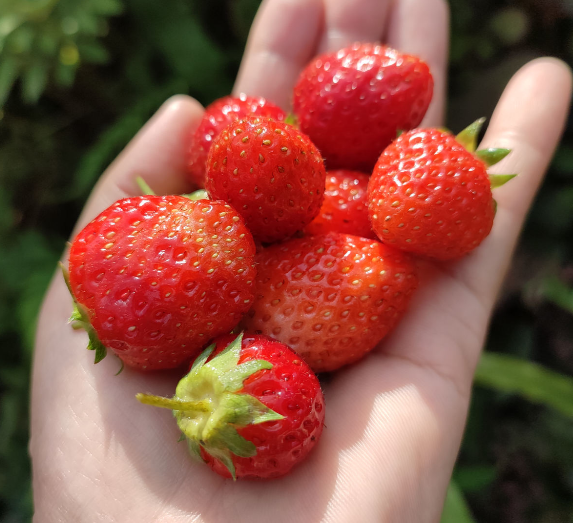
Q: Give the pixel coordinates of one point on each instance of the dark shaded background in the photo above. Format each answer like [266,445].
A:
[78,78]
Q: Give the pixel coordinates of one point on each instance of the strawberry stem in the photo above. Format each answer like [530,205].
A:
[174,403]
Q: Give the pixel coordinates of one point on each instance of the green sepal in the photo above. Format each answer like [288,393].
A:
[194,449]
[233,379]
[224,456]
[95,344]
[494,207]
[468,137]
[181,438]
[228,358]
[399,132]
[121,367]
[144,187]
[227,438]
[200,194]
[79,319]
[497,180]
[492,156]
[202,358]
[291,119]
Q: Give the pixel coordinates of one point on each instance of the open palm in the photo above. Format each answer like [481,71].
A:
[394,421]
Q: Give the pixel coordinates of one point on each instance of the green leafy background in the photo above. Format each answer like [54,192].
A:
[78,78]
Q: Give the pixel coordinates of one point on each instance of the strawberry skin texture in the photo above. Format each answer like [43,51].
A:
[162,275]
[428,195]
[345,206]
[351,103]
[331,298]
[291,389]
[270,172]
[217,116]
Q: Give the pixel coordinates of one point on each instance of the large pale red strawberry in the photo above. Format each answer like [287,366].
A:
[155,278]
[252,411]
[431,195]
[351,103]
[345,205]
[270,172]
[216,117]
[331,298]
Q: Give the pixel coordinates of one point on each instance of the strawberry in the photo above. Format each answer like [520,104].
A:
[331,298]
[249,407]
[351,103]
[215,118]
[270,172]
[156,277]
[431,195]
[345,206]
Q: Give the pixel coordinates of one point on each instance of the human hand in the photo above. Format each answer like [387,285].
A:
[394,421]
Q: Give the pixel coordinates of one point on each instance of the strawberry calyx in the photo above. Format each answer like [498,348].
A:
[200,194]
[491,156]
[80,320]
[209,406]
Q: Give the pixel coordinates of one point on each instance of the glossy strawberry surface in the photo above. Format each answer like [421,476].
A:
[345,206]
[160,276]
[217,116]
[331,298]
[352,102]
[290,389]
[270,172]
[430,196]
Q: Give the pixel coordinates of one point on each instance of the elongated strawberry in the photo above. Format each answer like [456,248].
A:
[345,206]
[249,407]
[270,172]
[431,195]
[331,298]
[216,117]
[155,278]
[351,103]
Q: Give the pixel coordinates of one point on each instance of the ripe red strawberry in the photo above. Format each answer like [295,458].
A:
[156,277]
[352,103]
[330,298]
[345,206]
[431,196]
[270,172]
[216,117]
[253,411]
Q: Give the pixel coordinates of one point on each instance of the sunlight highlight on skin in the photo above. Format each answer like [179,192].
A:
[400,419]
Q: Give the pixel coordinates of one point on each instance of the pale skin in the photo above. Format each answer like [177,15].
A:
[394,420]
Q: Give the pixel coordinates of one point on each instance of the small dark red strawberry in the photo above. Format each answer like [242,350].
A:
[216,117]
[155,278]
[351,103]
[249,407]
[345,206]
[430,194]
[330,298]
[270,172]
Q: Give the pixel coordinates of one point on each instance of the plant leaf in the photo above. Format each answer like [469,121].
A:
[456,509]
[529,380]
[555,291]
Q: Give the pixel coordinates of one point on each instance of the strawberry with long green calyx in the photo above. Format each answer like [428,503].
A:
[468,138]
[430,192]
[249,407]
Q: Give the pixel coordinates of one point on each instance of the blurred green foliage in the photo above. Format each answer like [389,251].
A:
[78,78]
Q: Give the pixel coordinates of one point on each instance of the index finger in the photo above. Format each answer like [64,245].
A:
[283,39]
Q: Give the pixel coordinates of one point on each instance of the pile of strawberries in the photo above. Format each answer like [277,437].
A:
[313,268]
